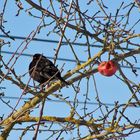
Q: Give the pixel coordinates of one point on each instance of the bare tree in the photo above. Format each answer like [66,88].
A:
[89,30]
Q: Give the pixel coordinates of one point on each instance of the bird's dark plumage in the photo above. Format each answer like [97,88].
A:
[42,70]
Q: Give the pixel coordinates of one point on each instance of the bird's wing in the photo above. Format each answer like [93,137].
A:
[49,70]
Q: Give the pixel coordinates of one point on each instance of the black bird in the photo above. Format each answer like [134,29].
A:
[42,70]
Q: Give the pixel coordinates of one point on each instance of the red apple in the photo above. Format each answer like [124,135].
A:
[107,68]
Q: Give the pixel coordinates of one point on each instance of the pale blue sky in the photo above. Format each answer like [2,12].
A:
[110,89]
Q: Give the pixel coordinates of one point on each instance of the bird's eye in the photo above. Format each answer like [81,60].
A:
[34,57]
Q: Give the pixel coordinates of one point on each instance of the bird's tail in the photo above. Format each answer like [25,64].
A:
[62,80]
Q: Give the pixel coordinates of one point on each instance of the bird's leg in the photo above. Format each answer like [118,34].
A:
[41,87]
